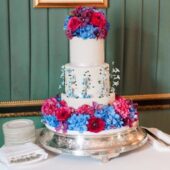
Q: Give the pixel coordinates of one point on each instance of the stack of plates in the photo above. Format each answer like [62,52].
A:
[19,132]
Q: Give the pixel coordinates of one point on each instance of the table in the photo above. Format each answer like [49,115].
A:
[145,158]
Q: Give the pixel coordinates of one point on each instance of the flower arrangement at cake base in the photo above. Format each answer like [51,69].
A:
[95,119]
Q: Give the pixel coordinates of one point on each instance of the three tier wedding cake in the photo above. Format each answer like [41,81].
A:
[89,104]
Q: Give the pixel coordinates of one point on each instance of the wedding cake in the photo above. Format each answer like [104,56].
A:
[89,104]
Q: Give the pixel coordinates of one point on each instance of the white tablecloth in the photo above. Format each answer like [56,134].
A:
[145,158]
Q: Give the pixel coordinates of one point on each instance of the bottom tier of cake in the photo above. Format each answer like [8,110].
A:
[59,116]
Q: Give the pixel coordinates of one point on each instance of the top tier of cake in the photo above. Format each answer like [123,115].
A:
[86,52]
[86,28]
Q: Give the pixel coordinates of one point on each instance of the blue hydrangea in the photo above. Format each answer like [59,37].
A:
[111,118]
[50,120]
[78,122]
[86,32]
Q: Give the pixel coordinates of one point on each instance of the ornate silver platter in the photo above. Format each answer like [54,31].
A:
[103,147]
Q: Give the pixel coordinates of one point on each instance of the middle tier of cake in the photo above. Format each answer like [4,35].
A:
[87,82]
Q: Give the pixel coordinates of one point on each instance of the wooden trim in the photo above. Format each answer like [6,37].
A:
[38,4]
[23,103]
[145,102]
[32,103]
[165,96]
[19,114]
[154,107]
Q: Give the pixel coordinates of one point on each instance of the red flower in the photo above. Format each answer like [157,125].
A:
[63,113]
[98,19]
[96,125]
[49,106]
[63,103]
[85,109]
[74,23]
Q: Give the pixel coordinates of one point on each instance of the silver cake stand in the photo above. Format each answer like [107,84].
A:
[102,147]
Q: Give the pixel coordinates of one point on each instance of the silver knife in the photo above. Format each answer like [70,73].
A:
[156,137]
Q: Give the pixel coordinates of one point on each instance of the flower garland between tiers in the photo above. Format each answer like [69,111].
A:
[57,114]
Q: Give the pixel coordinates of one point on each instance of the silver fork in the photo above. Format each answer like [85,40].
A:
[156,137]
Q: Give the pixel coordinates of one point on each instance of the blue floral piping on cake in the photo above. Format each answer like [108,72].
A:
[72,82]
[103,91]
[61,84]
[86,82]
[115,77]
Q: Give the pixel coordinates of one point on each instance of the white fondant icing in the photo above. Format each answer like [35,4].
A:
[75,103]
[88,52]
[87,82]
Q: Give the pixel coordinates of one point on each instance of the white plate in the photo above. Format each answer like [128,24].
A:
[18,124]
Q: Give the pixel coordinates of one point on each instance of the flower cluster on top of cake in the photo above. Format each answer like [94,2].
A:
[96,118]
[86,23]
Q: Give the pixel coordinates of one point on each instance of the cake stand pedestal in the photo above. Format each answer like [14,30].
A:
[103,147]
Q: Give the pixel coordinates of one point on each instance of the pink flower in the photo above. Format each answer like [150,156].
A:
[96,124]
[122,106]
[63,113]
[74,23]
[85,109]
[49,106]
[98,19]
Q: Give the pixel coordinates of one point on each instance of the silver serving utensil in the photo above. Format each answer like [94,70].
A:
[156,137]
[27,158]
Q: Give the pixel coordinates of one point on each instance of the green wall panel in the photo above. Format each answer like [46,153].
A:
[58,50]
[20,49]
[132,41]
[149,49]
[163,70]
[4,52]
[39,79]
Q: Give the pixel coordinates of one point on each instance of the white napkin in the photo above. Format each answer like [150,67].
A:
[156,144]
[22,154]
